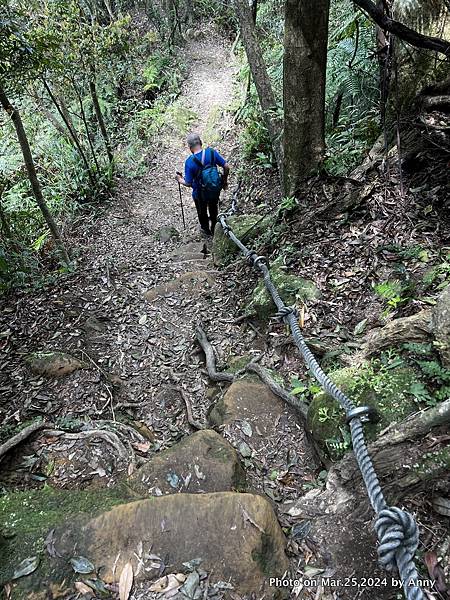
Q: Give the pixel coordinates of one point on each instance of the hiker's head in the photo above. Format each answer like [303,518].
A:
[194,142]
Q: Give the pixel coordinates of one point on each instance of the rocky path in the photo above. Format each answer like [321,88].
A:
[131,369]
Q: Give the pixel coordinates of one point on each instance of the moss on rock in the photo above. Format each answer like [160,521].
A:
[245,227]
[290,287]
[27,517]
[385,389]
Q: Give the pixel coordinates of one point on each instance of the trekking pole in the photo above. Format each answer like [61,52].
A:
[181,201]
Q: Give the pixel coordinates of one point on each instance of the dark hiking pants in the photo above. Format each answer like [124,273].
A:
[207,213]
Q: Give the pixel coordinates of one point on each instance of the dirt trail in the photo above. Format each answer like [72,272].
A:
[138,351]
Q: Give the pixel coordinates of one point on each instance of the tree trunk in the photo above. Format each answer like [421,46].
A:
[31,171]
[101,121]
[305,62]
[261,78]
[64,114]
[86,125]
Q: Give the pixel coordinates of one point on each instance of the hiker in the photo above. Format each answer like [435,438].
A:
[201,174]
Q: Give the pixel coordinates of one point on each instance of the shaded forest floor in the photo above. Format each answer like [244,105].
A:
[140,352]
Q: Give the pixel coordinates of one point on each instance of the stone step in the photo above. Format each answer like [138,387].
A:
[202,462]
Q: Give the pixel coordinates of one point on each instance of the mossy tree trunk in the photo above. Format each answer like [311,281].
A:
[32,175]
[305,63]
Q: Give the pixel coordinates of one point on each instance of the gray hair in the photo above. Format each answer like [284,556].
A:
[193,139]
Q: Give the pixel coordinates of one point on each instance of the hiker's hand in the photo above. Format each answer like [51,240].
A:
[178,177]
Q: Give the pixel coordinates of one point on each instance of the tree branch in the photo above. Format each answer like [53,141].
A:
[402,31]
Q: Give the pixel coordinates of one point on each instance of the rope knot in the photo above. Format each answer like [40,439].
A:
[286,311]
[250,256]
[396,529]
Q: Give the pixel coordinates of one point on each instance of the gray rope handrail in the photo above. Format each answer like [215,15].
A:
[396,529]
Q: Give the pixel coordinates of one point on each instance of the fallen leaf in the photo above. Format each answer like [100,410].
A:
[359,327]
[246,428]
[83,588]
[168,582]
[126,582]
[82,565]
[26,567]
[442,505]
[143,447]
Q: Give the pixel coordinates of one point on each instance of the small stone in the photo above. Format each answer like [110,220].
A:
[53,364]
[167,233]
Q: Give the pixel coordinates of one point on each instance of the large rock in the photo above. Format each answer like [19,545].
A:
[245,227]
[251,401]
[256,422]
[53,364]
[388,391]
[190,283]
[237,536]
[202,462]
[26,517]
[290,287]
[441,326]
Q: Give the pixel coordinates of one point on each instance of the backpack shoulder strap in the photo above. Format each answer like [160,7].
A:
[212,157]
[197,161]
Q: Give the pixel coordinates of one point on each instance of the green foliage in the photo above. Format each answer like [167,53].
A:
[71,47]
[392,292]
[352,96]
[160,73]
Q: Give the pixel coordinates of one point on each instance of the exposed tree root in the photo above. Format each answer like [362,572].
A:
[21,436]
[107,436]
[190,417]
[214,375]
[416,328]
[252,367]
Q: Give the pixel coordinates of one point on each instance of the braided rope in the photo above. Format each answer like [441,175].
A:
[396,529]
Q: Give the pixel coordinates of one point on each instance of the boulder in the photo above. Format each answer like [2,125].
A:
[255,421]
[202,462]
[53,364]
[290,287]
[245,227]
[167,233]
[237,537]
[190,283]
[441,326]
[388,391]
[251,401]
